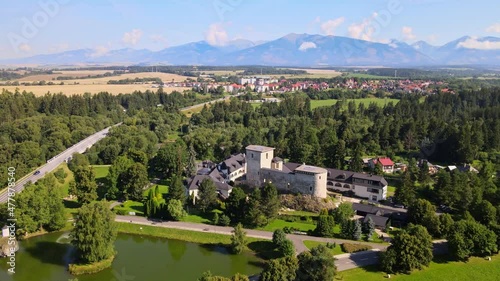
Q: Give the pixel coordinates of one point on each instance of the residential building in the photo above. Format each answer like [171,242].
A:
[386,162]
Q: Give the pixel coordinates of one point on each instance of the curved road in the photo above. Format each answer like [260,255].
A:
[53,163]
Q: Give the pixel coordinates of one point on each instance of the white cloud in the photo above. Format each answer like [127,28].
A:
[216,35]
[408,33]
[363,30]
[307,45]
[25,47]
[132,37]
[473,43]
[328,27]
[432,38]
[99,51]
[495,28]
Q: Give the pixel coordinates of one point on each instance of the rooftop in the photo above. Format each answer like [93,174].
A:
[310,169]
[259,148]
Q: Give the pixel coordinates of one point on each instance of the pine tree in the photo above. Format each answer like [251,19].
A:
[191,168]
[238,239]
[356,162]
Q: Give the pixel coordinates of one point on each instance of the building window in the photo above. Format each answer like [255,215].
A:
[288,185]
[310,188]
[267,155]
[252,155]
[329,183]
[374,198]
[319,177]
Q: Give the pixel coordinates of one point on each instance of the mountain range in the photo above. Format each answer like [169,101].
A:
[291,50]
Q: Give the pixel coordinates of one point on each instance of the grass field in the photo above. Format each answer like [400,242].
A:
[69,177]
[477,269]
[165,77]
[367,76]
[300,213]
[366,102]
[280,224]
[101,171]
[313,73]
[311,244]
[131,206]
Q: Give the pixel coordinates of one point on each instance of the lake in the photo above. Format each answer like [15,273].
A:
[45,258]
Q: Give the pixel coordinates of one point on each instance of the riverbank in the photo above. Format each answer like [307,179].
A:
[80,269]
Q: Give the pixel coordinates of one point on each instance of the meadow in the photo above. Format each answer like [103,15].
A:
[477,269]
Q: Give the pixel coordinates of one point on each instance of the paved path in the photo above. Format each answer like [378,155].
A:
[343,262]
[53,163]
[209,102]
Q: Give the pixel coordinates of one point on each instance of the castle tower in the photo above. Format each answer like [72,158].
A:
[257,157]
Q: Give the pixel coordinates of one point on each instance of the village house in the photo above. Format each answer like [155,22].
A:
[386,162]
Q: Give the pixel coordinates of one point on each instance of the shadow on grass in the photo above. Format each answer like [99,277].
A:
[69,204]
[264,249]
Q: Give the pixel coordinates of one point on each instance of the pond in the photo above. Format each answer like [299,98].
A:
[45,258]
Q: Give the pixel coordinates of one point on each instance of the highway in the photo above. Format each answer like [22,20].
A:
[53,163]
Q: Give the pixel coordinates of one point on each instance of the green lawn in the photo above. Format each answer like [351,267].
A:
[300,213]
[477,269]
[69,177]
[131,206]
[280,224]
[101,171]
[311,244]
[366,102]
[391,190]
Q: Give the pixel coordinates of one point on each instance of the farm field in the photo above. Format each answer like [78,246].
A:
[74,73]
[313,73]
[477,269]
[93,89]
[165,77]
[220,72]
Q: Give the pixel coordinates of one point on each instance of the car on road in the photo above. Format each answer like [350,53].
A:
[399,206]
[37,173]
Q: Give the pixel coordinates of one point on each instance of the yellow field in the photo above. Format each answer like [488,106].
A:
[221,72]
[315,73]
[165,77]
[96,88]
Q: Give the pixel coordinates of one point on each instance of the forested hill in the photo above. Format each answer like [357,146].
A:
[34,129]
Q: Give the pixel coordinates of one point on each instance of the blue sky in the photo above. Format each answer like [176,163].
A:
[30,27]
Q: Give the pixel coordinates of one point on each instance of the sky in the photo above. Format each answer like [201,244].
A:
[31,27]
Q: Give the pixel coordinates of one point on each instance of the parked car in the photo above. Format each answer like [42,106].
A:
[36,173]
[399,206]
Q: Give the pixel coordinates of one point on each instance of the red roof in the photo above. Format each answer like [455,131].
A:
[386,161]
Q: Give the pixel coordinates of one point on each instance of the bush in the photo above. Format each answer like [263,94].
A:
[60,175]
[224,220]
[301,202]
[79,269]
[121,212]
[353,248]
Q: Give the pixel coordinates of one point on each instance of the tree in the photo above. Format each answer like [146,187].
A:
[176,190]
[85,184]
[286,248]
[278,237]
[369,228]
[379,169]
[208,276]
[134,180]
[238,239]
[445,225]
[224,220]
[356,235]
[119,167]
[78,160]
[171,158]
[356,162]
[470,238]
[422,212]
[191,168]
[207,195]
[138,156]
[325,226]
[283,269]
[235,205]
[485,213]
[340,153]
[405,193]
[270,202]
[411,249]
[154,202]
[254,216]
[343,212]
[175,209]
[94,232]
[424,176]
[316,265]
[347,229]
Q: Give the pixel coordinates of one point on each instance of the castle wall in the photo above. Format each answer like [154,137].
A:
[255,161]
[313,184]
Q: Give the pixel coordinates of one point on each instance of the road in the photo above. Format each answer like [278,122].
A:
[53,163]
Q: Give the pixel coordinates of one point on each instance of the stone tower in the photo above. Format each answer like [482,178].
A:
[257,157]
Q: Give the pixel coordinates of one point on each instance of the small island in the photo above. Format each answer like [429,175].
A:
[93,236]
